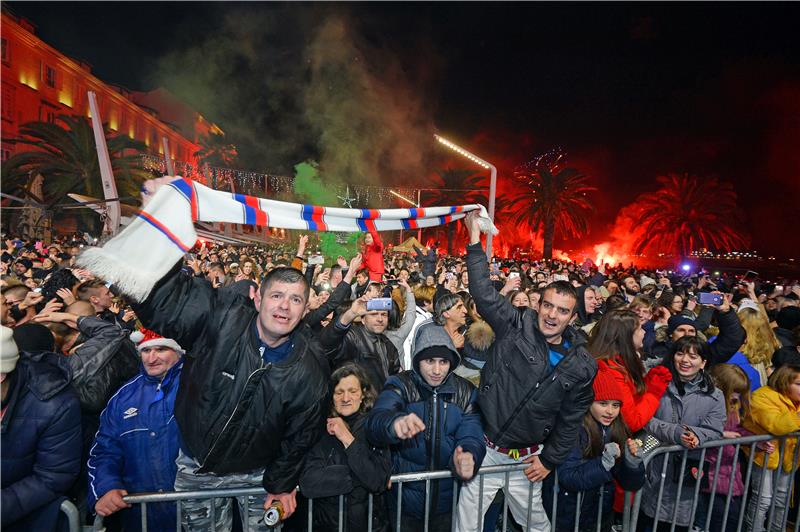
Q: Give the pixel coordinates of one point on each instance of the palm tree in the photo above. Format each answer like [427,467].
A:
[215,151]
[686,214]
[556,201]
[456,186]
[66,157]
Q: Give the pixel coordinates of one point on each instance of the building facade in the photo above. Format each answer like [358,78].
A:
[39,83]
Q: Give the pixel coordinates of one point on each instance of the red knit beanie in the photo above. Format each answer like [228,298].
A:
[605,387]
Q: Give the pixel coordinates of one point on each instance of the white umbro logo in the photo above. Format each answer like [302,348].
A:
[226,374]
[130,413]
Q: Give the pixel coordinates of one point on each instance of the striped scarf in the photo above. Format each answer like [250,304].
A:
[163,231]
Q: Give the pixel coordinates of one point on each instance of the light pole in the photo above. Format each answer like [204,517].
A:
[417,204]
[492,182]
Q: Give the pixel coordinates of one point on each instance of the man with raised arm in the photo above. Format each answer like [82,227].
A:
[535,388]
[253,393]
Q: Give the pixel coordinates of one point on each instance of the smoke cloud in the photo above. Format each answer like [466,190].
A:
[292,83]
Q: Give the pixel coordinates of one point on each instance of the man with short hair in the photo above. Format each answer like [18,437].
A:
[136,446]
[535,389]
[97,293]
[251,362]
[366,344]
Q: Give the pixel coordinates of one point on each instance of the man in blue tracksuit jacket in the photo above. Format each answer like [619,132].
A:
[429,418]
[136,446]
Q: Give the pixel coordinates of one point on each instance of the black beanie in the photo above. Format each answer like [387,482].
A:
[34,337]
[788,318]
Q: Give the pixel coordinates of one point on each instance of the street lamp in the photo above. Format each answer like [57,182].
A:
[417,204]
[492,181]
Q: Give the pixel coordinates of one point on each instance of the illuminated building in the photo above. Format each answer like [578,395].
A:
[39,83]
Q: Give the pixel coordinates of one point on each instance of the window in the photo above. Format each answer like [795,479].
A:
[6,155]
[6,52]
[7,103]
[49,76]
[47,113]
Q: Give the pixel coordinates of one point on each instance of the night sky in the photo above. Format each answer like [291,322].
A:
[629,91]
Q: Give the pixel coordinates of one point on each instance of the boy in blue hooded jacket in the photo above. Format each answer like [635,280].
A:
[429,418]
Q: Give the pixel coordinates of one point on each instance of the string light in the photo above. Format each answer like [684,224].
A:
[268,185]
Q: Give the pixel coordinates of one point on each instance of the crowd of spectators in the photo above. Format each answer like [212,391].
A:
[256,366]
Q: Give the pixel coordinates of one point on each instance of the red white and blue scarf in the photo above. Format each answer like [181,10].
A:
[163,231]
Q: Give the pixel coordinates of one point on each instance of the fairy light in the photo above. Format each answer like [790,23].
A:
[492,180]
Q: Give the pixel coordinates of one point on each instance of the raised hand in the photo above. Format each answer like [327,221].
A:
[66,295]
[407,427]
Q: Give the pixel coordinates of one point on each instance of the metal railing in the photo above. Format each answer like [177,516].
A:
[773,521]
[776,517]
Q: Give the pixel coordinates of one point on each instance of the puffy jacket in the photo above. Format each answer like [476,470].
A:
[41,441]
[451,418]
[237,413]
[701,406]
[729,455]
[771,412]
[136,446]
[730,339]
[360,469]
[523,402]
[101,364]
[426,261]
[637,409]
[375,353]
[587,475]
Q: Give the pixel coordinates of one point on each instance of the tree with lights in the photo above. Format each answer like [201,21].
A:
[65,156]
[687,214]
[553,199]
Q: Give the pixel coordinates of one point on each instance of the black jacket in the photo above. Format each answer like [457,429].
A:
[41,441]
[104,362]
[361,469]
[237,413]
[522,400]
[375,353]
[729,340]
[427,261]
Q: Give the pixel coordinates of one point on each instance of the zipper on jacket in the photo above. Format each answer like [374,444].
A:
[437,436]
[434,448]
[238,402]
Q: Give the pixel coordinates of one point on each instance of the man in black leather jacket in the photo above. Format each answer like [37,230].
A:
[365,344]
[535,389]
[254,391]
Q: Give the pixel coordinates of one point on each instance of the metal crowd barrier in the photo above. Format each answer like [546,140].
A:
[73,515]
[776,518]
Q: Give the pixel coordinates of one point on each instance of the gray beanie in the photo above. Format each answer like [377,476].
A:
[9,354]
[432,341]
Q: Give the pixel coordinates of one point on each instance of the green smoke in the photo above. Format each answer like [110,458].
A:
[310,188]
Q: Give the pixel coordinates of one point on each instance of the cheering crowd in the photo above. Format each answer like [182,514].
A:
[254,367]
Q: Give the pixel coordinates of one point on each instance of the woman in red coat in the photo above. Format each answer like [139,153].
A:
[373,256]
[615,342]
